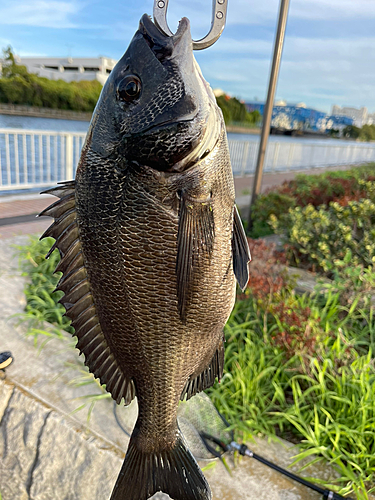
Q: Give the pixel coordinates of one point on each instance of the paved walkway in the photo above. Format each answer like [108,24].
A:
[13,210]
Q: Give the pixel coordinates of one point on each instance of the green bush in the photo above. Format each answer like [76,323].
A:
[265,206]
[301,367]
[234,111]
[343,185]
[18,86]
[320,236]
[367,133]
[351,131]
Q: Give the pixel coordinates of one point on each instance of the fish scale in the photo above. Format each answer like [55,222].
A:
[151,245]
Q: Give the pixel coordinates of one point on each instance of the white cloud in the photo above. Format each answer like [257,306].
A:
[232,46]
[320,72]
[333,9]
[254,12]
[40,13]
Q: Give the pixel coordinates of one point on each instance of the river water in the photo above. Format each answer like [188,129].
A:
[30,123]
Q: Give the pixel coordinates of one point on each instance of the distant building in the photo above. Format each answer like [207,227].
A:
[218,92]
[68,68]
[280,103]
[359,116]
[299,117]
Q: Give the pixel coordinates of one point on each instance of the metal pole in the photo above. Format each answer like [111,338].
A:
[267,115]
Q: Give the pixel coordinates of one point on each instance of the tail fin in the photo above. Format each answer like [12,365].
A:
[174,472]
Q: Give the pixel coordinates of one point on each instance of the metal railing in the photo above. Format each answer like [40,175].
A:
[35,158]
[289,156]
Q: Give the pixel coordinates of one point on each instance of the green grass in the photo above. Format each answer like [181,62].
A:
[41,301]
[321,396]
[296,367]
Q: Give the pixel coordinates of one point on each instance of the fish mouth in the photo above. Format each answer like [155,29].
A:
[178,50]
[163,45]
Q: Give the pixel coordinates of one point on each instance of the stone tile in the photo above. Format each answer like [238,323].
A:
[25,206]
[38,227]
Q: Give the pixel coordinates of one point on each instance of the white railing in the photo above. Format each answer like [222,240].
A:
[35,158]
[288,156]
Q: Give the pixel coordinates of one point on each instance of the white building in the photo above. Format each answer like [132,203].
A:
[218,92]
[68,68]
[360,116]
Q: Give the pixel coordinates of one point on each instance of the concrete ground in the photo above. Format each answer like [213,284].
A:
[50,452]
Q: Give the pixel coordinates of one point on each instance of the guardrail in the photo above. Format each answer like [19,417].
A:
[36,158]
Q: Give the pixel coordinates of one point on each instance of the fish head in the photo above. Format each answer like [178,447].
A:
[156,109]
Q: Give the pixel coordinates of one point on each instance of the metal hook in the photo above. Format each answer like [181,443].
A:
[219,13]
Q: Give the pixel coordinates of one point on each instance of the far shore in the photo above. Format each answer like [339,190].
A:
[242,130]
[59,114]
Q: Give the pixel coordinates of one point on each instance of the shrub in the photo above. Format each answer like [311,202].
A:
[316,190]
[235,111]
[18,86]
[317,237]
[265,205]
[266,274]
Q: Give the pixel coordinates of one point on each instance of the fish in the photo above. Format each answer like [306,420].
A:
[151,247]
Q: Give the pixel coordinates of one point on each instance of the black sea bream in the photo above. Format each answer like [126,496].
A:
[151,245]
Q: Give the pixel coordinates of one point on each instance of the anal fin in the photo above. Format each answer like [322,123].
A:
[207,377]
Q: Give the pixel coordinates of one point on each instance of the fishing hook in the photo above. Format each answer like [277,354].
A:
[219,13]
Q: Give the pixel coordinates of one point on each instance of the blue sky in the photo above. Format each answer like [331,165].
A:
[329,52]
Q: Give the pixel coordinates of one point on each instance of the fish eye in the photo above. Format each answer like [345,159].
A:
[129,88]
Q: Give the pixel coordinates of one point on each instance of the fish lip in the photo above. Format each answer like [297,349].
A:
[149,30]
[147,27]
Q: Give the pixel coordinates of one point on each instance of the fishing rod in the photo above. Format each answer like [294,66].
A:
[217,438]
[199,415]
[244,450]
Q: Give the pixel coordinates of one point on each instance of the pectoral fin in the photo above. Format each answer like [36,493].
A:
[241,251]
[195,240]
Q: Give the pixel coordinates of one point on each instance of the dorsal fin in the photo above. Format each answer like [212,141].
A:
[78,300]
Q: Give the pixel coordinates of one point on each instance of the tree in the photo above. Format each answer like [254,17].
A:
[18,86]
[351,131]
[234,111]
